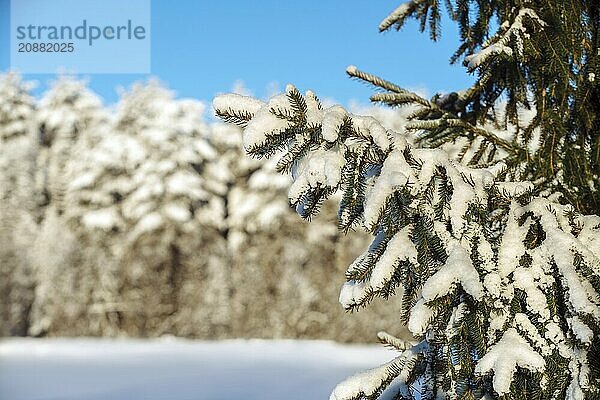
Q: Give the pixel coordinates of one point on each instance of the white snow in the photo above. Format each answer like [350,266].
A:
[90,369]
[332,121]
[504,357]
[318,168]
[314,113]
[580,376]
[101,219]
[237,102]
[457,269]
[493,284]
[464,192]
[400,247]
[420,317]
[512,247]
[564,258]
[393,176]
[526,326]
[475,60]
[369,126]
[514,189]
[399,13]
[498,44]
[366,383]
[353,293]
[536,300]
[583,332]
[264,123]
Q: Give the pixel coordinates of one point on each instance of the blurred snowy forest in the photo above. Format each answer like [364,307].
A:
[144,219]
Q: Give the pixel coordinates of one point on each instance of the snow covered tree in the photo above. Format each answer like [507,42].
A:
[253,210]
[500,277]
[18,203]
[65,112]
[17,141]
[143,189]
[67,117]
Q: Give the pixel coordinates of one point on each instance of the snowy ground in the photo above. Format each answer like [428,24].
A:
[89,369]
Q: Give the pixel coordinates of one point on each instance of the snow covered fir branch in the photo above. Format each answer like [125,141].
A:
[540,60]
[477,204]
[491,245]
[487,270]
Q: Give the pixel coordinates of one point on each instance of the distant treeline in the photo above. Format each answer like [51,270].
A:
[142,219]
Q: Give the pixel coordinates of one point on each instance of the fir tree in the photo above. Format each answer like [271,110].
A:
[68,116]
[143,190]
[65,112]
[18,203]
[500,275]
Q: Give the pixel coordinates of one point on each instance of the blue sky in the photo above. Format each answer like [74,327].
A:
[201,48]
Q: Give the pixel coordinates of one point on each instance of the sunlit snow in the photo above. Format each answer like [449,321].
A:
[91,369]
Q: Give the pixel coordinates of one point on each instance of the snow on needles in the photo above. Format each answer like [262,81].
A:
[392,177]
[457,269]
[265,123]
[321,168]
[370,382]
[447,231]
[504,357]
[499,43]
[365,383]
[399,248]
[332,121]
[238,102]
[399,14]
